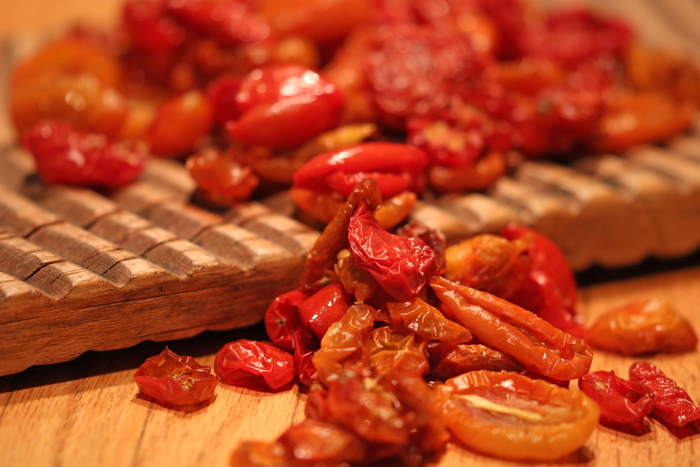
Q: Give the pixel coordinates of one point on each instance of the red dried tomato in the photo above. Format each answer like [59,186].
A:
[550,289]
[527,338]
[395,348]
[305,345]
[402,265]
[149,28]
[222,94]
[282,318]
[220,179]
[244,360]
[450,360]
[179,123]
[620,401]
[672,404]
[87,159]
[172,379]
[325,307]
[427,321]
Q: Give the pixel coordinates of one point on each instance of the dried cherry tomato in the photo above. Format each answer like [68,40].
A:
[511,416]
[87,159]
[550,288]
[179,123]
[435,239]
[325,307]
[172,379]
[527,338]
[243,360]
[401,265]
[394,348]
[672,404]
[450,360]
[642,327]
[282,318]
[305,344]
[221,179]
[222,94]
[620,401]
[150,28]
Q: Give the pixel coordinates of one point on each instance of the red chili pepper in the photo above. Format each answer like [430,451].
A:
[231,22]
[243,361]
[282,318]
[64,155]
[305,345]
[620,401]
[282,106]
[396,167]
[175,380]
[324,308]
[673,404]
[402,265]
[150,29]
[550,289]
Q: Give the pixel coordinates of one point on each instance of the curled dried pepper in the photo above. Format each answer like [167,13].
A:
[402,265]
[529,339]
[511,416]
[170,378]
[642,327]
[620,401]
[244,361]
[672,403]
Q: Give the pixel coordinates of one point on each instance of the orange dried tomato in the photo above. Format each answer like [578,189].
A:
[511,416]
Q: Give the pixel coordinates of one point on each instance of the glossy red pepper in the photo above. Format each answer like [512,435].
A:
[324,308]
[282,318]
[395,167]
[550,289]
[64,155]
[620,401]
[283,106]
[673,404]
[172,379]
[401,265]
[244,361]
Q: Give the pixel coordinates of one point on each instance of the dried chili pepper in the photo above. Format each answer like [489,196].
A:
[401,265]
[672,404]
[620,401]
[172,379]
[243,361]
[530,340]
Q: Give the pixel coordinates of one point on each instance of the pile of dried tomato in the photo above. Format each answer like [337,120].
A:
[262,94]
[405,343]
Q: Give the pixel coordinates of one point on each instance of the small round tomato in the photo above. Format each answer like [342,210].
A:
[324,308]
[179,124]
[282,318]
[175,380]
[513,417]
[244,361]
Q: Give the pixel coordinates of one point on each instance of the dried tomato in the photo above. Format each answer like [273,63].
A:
[395,167]
[435,239]
[396,348]
[316,442]
[180,122]
[244,361]
[356,281]
[450,360]
[346,344]
[325,307]
[282,318]
[172,379]
[150,28]
[427,321]
[550,288]
[222,94]
[642,327]
[87,159]
[529,339]
[511,416]
[620,401]
[305,345]
[402,265]
[672,405]
[222,180]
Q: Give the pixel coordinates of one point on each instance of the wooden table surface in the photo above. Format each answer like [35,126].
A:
[89,412]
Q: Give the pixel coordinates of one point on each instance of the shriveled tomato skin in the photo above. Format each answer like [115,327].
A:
[672,404]
[64,155]
[176,380]
[548,422]
[324,308]
[243,361]
[282,318]
[612,394]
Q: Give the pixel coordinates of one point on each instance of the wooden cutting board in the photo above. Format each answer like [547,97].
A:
[81,270]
